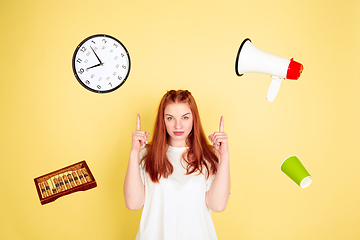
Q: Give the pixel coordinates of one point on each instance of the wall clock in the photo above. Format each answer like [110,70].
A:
[101,63]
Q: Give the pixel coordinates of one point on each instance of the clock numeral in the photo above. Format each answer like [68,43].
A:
[117,66]
[92,75]
[98,86]
[123,66]
[87,82]
[110,84]
[93,41]
[104,40]
[83,49]
[114,73]
[103,47]
[81,71]
[100,78]
[88,53]
[111,50]
[115,45]
[122,55]
[108,78]
[116,57]
[95,48]
[79,60]
[120,78]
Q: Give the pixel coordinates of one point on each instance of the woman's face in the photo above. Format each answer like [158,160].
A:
[178,122]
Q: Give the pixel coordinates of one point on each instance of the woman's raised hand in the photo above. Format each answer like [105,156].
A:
[139,138]
[220,139]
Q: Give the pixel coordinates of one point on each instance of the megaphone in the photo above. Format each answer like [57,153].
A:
[251,59]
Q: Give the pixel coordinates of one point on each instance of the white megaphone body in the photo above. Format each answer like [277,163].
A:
[251,59]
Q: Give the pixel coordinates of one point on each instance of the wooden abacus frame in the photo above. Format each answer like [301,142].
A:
[81,186]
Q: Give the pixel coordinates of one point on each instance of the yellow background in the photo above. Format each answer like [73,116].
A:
[49,121]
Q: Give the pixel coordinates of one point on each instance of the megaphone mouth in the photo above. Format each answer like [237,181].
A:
[237,56]
[294,70]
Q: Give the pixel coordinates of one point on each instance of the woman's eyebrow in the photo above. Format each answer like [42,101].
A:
[168,114]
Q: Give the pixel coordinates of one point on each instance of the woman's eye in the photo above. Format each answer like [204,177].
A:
[169,118]
[186,117]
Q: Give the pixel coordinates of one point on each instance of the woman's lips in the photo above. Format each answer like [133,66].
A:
[178,133]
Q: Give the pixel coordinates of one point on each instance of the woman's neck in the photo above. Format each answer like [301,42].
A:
[177,143]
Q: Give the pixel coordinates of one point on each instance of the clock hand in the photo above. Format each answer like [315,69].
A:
[96,56]
[97,65]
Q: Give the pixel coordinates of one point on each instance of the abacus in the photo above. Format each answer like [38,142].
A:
[70,179]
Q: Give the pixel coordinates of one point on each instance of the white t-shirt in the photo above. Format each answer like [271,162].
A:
[175,208]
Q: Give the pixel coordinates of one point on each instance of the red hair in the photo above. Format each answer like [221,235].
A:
[200,153]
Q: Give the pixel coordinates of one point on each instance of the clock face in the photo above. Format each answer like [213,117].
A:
[101,63]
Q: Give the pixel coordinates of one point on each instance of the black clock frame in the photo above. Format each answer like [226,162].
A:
[78,78]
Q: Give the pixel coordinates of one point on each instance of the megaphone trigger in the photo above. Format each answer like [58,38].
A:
[273,88]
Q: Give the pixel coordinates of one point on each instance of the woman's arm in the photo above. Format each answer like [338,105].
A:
[217,197]
[134,189]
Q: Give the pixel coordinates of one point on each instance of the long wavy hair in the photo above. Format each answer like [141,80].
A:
[200,155]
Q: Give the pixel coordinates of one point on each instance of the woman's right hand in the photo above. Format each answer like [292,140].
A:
[139,138]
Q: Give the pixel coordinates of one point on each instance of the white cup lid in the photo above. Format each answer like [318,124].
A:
[306,182]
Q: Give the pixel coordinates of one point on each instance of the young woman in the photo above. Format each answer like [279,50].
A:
[178,177]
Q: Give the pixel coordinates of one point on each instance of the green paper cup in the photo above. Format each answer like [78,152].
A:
[294,169]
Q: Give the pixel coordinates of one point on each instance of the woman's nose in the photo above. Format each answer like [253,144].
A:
[177,124]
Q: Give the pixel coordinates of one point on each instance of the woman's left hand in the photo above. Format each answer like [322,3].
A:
[220,140]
